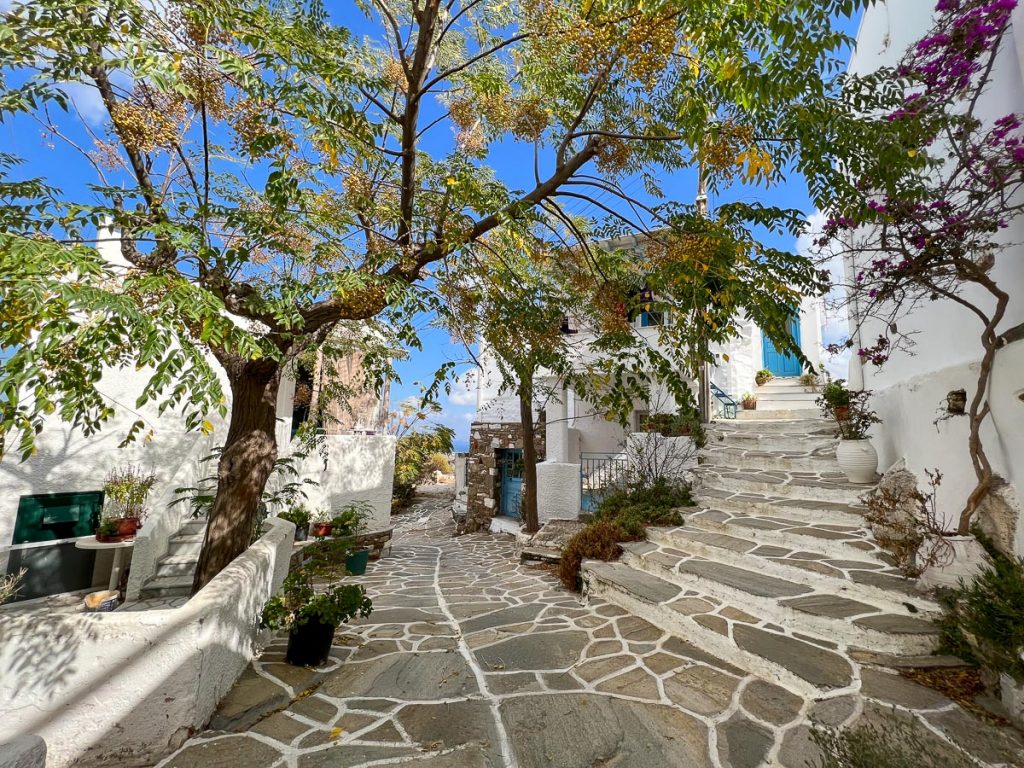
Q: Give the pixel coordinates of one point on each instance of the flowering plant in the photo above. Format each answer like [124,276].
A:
[926,217]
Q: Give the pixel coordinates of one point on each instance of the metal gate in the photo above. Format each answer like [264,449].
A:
[600,474]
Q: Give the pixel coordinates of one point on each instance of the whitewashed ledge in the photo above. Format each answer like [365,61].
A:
[126,688]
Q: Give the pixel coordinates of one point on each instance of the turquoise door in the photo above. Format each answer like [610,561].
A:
[781,363]
[511,499]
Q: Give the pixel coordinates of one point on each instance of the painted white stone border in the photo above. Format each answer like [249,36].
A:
[125,688]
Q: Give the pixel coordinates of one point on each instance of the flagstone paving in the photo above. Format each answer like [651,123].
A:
[472,660]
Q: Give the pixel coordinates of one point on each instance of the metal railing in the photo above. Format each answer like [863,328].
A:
[723,406]
[600,474]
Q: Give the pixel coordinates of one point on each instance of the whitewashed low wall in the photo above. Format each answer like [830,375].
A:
[352,468]
[558,490]
[123,688]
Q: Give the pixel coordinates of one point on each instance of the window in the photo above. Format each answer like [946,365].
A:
[55,516]
[651,319]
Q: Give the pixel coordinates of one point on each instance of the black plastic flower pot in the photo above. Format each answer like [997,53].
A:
[302,532]
[356,562]
[309,644]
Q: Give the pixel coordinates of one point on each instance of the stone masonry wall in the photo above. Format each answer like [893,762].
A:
[485,440]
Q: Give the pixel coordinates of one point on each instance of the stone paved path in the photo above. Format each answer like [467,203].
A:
[471,660]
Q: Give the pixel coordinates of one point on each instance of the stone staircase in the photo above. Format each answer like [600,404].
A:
[774,569]
[176,569]
[783,398]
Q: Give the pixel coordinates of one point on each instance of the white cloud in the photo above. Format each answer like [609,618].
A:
[463,390]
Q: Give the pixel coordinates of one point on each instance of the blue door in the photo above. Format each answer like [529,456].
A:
[781,363]
[510,503]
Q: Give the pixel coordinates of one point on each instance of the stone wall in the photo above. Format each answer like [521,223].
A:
[485,439]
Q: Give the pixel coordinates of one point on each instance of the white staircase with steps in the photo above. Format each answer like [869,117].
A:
[176,569]
[783,398]
[774,568]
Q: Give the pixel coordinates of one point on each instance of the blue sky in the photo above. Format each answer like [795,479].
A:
[42,158]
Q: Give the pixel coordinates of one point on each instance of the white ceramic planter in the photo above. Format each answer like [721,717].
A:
[858,459]
[960,557]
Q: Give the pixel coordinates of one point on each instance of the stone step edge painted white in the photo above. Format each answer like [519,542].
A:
[739,506]
[764,414]
[834,548]
[840,631]
[884,599]
[706,639]
[723,456]
[712,476]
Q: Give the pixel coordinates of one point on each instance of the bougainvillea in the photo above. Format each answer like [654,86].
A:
[932,226]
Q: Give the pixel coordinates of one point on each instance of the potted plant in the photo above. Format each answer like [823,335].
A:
[124,497]
[749,401]
[855,454]
[835,400]
[321,524]
[763,376]
[311,617]
[300,516]
[106,531]
[346,524]
[809,381]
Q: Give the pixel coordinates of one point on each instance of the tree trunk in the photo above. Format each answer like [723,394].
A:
[245,465]
[977,413]
[528,508]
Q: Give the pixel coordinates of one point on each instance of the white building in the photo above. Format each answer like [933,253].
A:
[53,499]
[578,439]
[910,390]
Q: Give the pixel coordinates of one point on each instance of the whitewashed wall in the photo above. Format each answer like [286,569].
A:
[123,688]
[358,468]
[910,389]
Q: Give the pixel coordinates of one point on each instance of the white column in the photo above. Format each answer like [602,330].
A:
[557,428]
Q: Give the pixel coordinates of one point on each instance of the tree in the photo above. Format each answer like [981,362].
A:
[926,218]
[271,176]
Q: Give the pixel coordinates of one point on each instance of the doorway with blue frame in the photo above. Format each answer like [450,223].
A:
[781,363]
[510,479]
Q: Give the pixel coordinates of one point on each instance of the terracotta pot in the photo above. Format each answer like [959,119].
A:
[108,538]
[321,529]
[127,526]
[842,412]
[750,405]
[858,459]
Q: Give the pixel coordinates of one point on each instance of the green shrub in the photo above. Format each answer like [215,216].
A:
[412,456]
[621,516]
[895,743]
[991,609]
[599,540]
[298,515]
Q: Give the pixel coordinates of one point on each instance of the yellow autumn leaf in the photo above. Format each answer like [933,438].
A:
[911,153]
[207,427]
[729,69]
[725,357]
[336,732]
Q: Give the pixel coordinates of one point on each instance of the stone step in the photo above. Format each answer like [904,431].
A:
[177,565]
[769,412]
[184,546]
[785,385]
[815,569]
[759,441]
[786,395]
[802,666]
[540,555]
[795,605]
[166,586]
[192,527]
[842,542]
[766,505]
[811,486]
[724,454]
